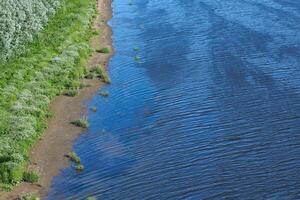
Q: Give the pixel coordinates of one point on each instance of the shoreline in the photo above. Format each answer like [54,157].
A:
[48,154]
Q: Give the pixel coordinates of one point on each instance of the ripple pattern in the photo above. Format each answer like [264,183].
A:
[211,111]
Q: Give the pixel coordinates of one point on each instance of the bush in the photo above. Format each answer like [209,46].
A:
[21,20]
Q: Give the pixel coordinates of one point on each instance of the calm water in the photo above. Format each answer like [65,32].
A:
[211,110]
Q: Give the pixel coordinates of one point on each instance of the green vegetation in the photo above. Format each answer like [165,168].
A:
[82,122]
[103,50]
[21,20]
[137,59]
[73,157]
[104,93]
[99,72]
[79,167]
[29,197]
[30,177]
[54,60]
[94,109]
[91,198]
[5,187]
[72,92]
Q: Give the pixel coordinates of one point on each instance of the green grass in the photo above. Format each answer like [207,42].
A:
[54,61]
[74,157]
[30,177]
[91,198]
[72,92]
[5,187]
[103,50]
[79,167]
[98,72]
[82,122]
[29,196]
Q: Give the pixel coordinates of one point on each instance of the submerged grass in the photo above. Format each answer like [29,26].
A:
[54,61]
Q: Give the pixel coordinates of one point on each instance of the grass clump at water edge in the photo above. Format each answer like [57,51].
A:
[79,167]
[104,50]
[74,157]
[99,72]
[94,109]
[104,93]
[82,122]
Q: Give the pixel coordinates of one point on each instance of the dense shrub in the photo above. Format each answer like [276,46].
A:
[54,60]
[20,20]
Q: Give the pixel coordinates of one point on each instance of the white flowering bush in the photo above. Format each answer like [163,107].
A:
[20,20]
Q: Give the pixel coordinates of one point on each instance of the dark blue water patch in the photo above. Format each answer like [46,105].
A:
[210,110]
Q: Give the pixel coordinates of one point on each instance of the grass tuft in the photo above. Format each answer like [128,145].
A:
[104,93]
[72,92]
[29,196]
[94,109]
[74,157]
[79,167]
[103,50]
[30,177]
[91,198]
[82,122]
[98,72]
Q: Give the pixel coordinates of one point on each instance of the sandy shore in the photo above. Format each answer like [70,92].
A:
[47,156]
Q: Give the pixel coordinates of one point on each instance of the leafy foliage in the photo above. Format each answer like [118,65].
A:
[21,20]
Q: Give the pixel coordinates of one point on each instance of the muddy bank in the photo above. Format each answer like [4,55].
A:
[47,156]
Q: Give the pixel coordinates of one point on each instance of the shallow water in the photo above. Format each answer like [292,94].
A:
[211,110]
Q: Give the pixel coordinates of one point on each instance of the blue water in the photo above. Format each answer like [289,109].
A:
[211,110]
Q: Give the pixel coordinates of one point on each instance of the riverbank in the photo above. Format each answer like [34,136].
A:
[47,156]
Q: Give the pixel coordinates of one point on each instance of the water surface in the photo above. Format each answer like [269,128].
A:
[211,110]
